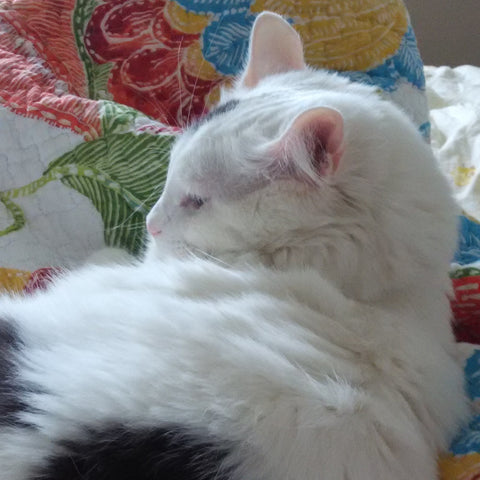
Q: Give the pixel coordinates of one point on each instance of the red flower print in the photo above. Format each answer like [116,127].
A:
[152,70]
[41,74]
[41,279]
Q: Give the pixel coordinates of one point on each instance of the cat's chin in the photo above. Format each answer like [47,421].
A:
[164,250]
[157,251]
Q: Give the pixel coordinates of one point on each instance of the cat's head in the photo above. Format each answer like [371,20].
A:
[296,168]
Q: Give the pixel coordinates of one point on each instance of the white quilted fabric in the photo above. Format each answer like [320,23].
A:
[454,98]
[62,226]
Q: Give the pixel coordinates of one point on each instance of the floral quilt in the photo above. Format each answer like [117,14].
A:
[93,92]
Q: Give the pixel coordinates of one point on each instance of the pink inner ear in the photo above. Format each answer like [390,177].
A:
[275,47]
[322,128]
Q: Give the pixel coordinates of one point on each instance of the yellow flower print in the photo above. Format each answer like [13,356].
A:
[12,280]
[462,176]
[465,467]
[186,22]
[345,34]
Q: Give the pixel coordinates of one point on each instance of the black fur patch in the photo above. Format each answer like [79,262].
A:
[226,107]
[10,390]
[156,454]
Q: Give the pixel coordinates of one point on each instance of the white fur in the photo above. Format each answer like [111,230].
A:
[384,221]
[316,340]
[305,383]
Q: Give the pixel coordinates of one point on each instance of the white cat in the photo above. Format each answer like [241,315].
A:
[290,321]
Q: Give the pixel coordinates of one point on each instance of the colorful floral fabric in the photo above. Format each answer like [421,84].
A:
[466,304]
[152,54]
[104,85]
[17,281]
[469,241]
[454,98]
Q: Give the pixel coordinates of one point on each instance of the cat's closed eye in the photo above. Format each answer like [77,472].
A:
[192,201]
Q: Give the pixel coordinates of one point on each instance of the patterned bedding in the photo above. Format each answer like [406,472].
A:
[93,92]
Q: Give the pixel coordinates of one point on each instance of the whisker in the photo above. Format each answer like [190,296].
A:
[133,227]
[180,122]
[207,255]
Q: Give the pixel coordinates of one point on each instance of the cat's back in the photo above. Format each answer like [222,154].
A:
[173,291]
[195,310]
[267,367]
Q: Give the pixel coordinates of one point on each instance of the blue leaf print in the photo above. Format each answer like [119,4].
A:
[468,440]
[408,61]
[472,374]
[425,130]
[376,78]
[225,42]
[217,7]
[468,250]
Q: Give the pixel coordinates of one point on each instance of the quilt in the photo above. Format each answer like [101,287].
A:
[454,99]
[93,92]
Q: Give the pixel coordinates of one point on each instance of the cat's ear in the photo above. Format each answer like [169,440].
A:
[312,145]
[275,47]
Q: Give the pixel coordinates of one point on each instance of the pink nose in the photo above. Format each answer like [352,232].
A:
[152,230]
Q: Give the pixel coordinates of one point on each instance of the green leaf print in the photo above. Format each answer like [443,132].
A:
[123,176]
[118,118]
[13,209]
[122,173]
[465,272]
[97,75]
[16,213]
